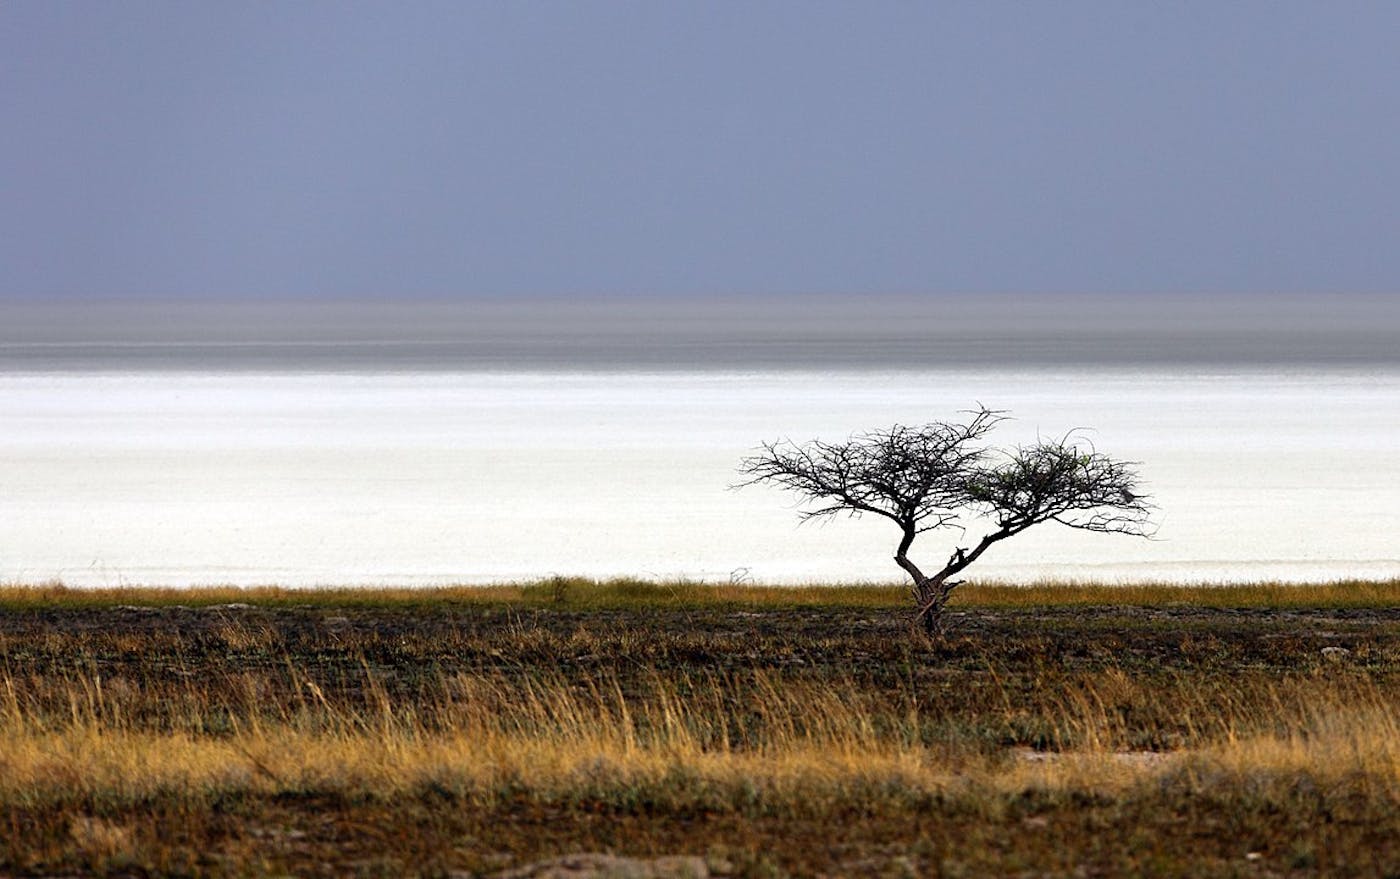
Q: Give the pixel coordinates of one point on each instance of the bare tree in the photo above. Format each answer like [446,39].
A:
[942,475]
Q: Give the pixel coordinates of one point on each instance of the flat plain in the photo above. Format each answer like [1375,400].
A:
[1059,730]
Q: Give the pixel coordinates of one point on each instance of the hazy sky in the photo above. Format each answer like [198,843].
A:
[437,149]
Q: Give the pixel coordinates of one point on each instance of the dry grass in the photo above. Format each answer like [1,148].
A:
[757,747]
[580,592]
[1335,594]
[755,741]
[383,738]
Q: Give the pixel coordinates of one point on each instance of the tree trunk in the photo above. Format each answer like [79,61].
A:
[930,618]
[932,597]
[931,593]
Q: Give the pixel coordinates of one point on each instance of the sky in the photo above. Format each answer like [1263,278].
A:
[461,150]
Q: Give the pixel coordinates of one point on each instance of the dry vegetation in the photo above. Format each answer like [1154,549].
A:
[772,731]
[582,593]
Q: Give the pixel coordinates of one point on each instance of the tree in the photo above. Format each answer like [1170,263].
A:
[944,474]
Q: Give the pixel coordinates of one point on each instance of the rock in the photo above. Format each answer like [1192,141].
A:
[599,866]
[1335,654]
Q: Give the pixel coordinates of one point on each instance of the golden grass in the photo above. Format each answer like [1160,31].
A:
[586,594]
[756,740]
[1340,593]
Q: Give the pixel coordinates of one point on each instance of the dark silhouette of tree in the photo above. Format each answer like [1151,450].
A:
[944,475]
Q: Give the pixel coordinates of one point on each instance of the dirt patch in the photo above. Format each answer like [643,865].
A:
[602,866]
